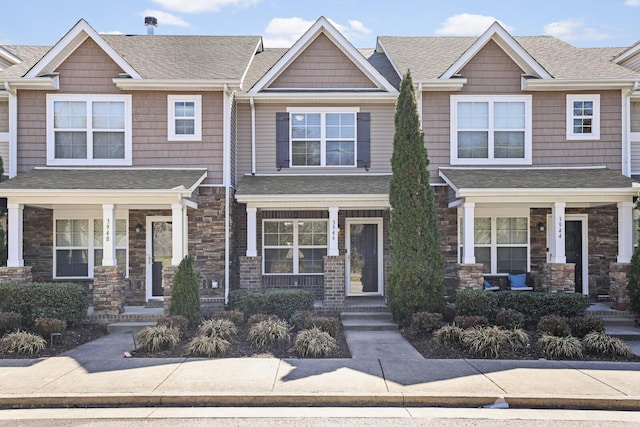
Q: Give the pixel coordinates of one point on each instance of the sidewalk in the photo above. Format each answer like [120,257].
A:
[97,374]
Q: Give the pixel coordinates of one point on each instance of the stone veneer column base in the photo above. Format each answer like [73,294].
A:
[619,285]
[334,296]
[251,272]
[108,289]
[559,277]
[470,276]
[16,274]
[168,273]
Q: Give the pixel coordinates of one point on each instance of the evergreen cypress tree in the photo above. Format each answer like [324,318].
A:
[634,276]
[185,293]
[416,278]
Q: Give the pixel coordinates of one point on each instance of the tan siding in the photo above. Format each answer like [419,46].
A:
[322,65]
[4,153]
[633,63]
[382,130]
[88,70]
[32,143]
[4,115]
[435,124]
[635,116]
[491,71]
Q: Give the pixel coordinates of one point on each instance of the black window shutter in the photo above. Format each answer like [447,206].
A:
[364,140]
[282,140]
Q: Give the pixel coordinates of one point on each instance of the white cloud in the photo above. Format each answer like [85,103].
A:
[198,6]
[116,32]
[466,24]
[165,18]
[632,3]
[284,32]
[574,30]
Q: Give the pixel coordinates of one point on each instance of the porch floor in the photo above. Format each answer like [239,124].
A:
[132,313]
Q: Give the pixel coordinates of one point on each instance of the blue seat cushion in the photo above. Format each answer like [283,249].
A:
[487,285]
[518,280]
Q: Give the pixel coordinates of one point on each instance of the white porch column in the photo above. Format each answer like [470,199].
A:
[108,235]
[333,232]
[15,222]
[625,232]
[468,236]
[252,249]
[557,238]
[178,235]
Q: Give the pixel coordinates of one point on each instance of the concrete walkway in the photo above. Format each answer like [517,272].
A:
[97,374]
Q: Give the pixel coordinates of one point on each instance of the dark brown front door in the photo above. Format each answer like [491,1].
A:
[573,249]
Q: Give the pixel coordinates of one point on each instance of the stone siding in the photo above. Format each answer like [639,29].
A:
[16,274]
[619,288]
[108,290]
[38,243]
[558,277]
[470,276]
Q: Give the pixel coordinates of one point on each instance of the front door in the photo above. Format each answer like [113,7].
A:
[573,249]
[364,262]
[159,251]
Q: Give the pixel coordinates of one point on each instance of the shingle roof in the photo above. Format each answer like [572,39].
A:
[313,185]
[104,179]
[544,178]
[29,56]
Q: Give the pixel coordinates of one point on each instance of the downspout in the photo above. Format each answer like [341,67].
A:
[227,185]
[13,130]
[253,135]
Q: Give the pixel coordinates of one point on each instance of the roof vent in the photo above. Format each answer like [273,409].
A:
[150,22]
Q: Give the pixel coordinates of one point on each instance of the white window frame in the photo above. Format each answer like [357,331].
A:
[171,117]
[494,215]
[595,119]
[88,98]
[491,99]
[323,111]
[89,216]
[295,246]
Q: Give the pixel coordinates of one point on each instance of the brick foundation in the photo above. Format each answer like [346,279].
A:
[619,285]
[470,276]
[251,272]
[334,297]
[168,273]
[558,277]
[108,290]
[16,274]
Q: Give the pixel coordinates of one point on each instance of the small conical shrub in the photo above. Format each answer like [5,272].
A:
[185,294]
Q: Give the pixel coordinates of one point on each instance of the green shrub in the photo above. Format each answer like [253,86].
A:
[560,347]
[510,318]
[555,325]
[466,322]
[45,326]
[471,302]
[257,318]
[64,301]
[176,322]
[9,321]
[223,328]
[314,343]
[582,325]
[535,305]
[207,346]
[423,322]
[22,342]
[185,292]
[269,332]
[300,319]
[281,302]
[309,319]
[156,338]
[601,343]
[485,341]
[450,335]
[236,316]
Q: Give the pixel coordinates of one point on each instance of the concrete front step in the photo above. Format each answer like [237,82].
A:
[625,333]
[629,321]
[368,321]
[127,327]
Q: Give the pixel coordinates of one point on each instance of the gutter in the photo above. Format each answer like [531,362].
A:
[13,130]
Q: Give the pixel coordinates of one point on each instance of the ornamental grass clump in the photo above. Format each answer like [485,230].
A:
[156,338]
[236,316]
[259,317]
[555,347]
[207,346]
[222,328]
[314,343]
[270,331]
[603,344]
[485,341]
[176,322]
[450,335]
[22,342]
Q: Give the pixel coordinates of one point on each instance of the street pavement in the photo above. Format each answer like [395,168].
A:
[385,371]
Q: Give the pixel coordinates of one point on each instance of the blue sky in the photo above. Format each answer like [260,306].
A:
[582,23]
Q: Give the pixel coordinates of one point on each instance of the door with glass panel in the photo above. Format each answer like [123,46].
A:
[364,262]
[159,253]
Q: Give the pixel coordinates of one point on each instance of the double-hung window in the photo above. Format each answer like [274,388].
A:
[78,245]
[88,129]
[490,129]
[583,117]
[184,117]
[501,244]
[294,246]
[323,138]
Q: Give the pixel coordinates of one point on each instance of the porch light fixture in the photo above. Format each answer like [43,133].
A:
[541,227]
[139,228]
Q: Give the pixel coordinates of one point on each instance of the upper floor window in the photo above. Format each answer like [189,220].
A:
[490,129]
[88,129]
[184,118]
[583,117]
